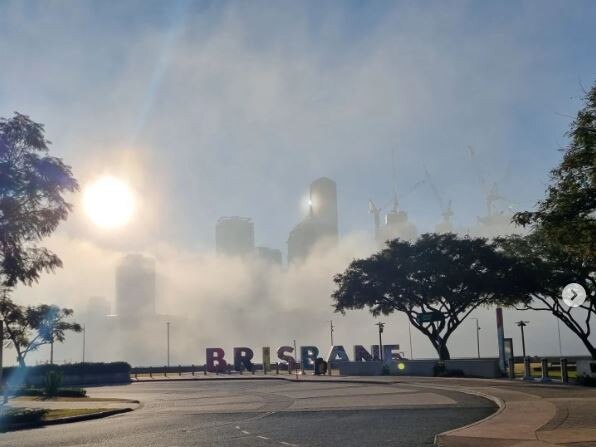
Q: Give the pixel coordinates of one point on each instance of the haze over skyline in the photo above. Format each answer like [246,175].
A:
[212,109]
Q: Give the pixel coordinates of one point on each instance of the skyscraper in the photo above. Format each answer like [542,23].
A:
[135,286]
[269,255]
[235,236]
[321,223]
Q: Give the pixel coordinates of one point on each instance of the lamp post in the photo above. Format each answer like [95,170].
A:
[522,324]
[84,335]
[168,341]
[477,337]
[410,334]
[381,326]
[331,331]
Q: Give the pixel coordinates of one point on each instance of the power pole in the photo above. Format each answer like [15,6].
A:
[381,326]
[331,331]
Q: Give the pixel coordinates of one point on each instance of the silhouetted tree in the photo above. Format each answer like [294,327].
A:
[439,276]
[550,269]
[27,328]
[566,217]
[32,203]
[562,246]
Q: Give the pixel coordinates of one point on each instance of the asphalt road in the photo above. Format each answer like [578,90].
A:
[266,413]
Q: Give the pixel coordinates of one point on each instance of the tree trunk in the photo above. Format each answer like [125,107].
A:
[589,346]
[21,361]
[440,345]
[443,351]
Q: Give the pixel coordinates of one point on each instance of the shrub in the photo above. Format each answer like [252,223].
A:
[72,392]
[53,382]
[11,416]
[439,369]
[61,392]
[586,380]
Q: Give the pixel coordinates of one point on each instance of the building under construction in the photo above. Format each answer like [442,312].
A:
[321,222]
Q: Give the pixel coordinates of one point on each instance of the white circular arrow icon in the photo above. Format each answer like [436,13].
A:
[574,295]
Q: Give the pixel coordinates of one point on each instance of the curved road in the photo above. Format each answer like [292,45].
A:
[266,413]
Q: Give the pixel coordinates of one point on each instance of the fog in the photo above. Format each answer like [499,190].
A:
[212,109]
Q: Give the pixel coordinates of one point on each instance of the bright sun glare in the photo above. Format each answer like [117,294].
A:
[108,202]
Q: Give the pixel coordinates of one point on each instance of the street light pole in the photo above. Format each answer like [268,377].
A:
[168,341]
[559,331]
[477,337]
[521,325]
[410,334]
[381,326]
[84,335]
[331,331]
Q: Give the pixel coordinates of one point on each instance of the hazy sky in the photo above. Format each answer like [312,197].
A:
[220,108]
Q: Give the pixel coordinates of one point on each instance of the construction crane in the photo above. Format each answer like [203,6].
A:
[491,194]
[446,226]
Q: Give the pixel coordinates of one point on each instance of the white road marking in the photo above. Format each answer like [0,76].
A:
[237,428]
[263,437]
[246,432]
[286,443]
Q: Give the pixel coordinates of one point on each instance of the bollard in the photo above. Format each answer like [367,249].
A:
[205,369]
[564,371]
[527,374]
[277,368]
[192,369]
[544,366]
[511,369]
[289,369]
[165,371]
[179,370]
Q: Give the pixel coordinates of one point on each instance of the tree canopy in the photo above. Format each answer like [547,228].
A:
[562,245]
[32,203]
[437,281]
[567,215]
[27,328]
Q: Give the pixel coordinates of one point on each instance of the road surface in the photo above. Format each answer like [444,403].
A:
[266,413]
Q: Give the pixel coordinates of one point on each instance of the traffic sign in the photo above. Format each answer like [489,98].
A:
[429,317]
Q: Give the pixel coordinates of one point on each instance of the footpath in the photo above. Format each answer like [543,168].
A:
[528,415]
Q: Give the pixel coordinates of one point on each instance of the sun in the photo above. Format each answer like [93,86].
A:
[109,202]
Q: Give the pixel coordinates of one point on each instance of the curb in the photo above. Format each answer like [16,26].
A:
[66,420]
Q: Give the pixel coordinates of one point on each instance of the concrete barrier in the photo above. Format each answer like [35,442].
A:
[488,368]
[360,368]
[412,368]
[586,368]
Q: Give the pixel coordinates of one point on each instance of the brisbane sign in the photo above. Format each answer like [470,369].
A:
[243,356]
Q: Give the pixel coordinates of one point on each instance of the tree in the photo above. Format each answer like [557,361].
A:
[27,328]
[562,246]
[550,267]
[32,203]
[566,216]
[440,277]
